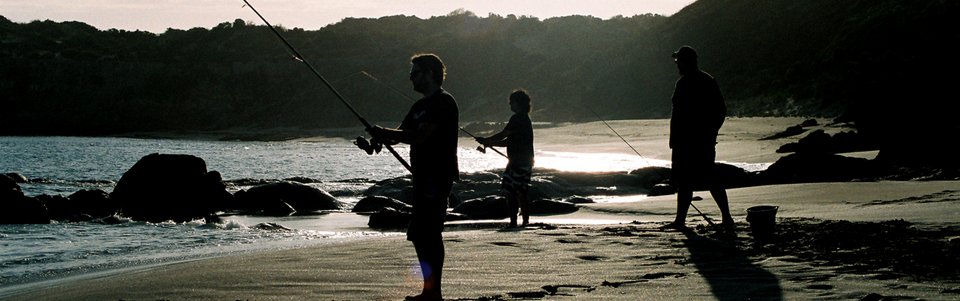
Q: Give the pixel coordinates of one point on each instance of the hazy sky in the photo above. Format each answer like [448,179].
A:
[158,15]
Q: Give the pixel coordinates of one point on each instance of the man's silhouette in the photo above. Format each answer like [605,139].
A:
[430,128]
[698,113]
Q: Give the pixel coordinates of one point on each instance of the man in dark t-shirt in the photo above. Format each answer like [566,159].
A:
[517,136]
[698,113]
[430,128]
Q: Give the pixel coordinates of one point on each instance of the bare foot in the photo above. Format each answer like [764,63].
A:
[426,296]
[674,226]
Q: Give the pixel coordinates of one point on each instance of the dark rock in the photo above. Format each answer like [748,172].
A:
[816,141]
[272,227]
[397,188]
[579,200]
[490,207]
[662,189]
[495,207]
[23,210]
[474,185]
[820,142]
[163,187]
[789,132]
[554,184]
[110,220]
[275,207]
[548,207]
[819,167]
[730,176]
[650,176]
[304,180]
[389,218]
[375,203]
[17,208]
[302,198]
[92,203]
[9,187]
[17,178]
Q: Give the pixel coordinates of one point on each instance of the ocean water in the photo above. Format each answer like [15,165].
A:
[63,165]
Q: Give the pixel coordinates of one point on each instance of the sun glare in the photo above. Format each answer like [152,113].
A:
[593,162]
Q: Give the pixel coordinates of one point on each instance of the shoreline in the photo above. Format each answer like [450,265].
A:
[624,261]
[605,251]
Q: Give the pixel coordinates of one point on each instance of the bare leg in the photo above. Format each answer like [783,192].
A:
[524,206]
[431,255]
[684,197]
[512,206]
[720,196]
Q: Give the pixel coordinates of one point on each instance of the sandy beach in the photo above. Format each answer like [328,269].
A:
[891,240]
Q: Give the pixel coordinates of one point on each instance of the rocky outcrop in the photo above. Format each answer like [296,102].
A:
[375,203]
[389,218]
[808,167]
[15,208]
[83,205]
[162,187]
[495,207]
[272,198]
[490,207]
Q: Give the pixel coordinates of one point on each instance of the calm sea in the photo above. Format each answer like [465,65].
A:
[64,165]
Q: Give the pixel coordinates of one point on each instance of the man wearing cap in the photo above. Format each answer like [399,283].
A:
[698,112]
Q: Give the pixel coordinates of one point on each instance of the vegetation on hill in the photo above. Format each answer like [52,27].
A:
[863,60]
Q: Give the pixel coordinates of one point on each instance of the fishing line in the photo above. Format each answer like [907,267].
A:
[618,134]
[299,57]
[644,159]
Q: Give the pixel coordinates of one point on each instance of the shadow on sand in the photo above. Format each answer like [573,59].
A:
[727,269]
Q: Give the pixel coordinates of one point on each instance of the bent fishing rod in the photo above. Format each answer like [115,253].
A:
[302,59]
[368,75]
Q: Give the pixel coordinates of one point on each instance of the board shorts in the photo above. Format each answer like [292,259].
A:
[516,178]
[694,168]
[429,208]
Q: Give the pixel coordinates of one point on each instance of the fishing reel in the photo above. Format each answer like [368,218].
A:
[370,147]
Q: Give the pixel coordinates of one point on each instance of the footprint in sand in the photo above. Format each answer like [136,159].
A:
[820,287]
[662,275]
[504,243]
[591,257]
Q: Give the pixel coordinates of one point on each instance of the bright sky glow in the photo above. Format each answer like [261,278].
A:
[158,15]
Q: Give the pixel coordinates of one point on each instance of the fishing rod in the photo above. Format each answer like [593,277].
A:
[300,58]
[482,149]
[644,159]
[701,214]
[616,133]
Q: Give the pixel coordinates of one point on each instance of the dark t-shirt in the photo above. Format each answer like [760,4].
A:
[520,141]
[436,157]
[698,112]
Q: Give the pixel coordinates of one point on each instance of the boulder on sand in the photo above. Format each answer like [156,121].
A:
[163,187]
[375,203]
[302,198]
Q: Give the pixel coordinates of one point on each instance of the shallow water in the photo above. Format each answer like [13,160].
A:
[64,165]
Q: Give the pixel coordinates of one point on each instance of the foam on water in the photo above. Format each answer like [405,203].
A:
[41,252]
